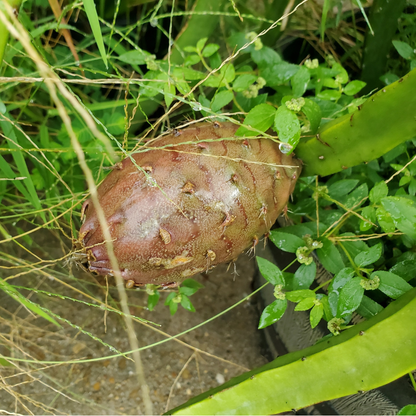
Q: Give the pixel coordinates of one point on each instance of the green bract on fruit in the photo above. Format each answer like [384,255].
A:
[191,200]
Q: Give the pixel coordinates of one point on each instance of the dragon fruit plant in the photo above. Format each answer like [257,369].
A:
[184,203]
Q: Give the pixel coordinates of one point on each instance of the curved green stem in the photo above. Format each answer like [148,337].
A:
[384,121]
[352,362]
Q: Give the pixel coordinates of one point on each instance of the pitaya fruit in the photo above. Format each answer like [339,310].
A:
[200,197]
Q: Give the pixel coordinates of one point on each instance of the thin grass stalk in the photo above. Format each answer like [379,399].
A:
[52,81]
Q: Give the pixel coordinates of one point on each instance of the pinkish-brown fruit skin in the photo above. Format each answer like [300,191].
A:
[211,209]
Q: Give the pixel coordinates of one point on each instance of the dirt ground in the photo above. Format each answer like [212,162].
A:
[175,370]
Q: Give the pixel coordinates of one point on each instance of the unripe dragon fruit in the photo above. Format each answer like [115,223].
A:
[200,198]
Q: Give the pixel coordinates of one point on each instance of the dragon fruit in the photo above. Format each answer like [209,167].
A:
[189,201]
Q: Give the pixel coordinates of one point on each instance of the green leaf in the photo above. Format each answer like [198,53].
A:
[266,57]
[189,49]
[356,196]
[412,187]
[316,315]
[189,287]
[169,90]
[385,220]
[328,315]
[403,213]
[329,257]
[369,257]
[272,313]
[210,49]
[369,213]
[188,73]
[192,60]
[354,247]
[350,297]
[404,49]
[342,187]
[287,126]
[368,308]
[270,272]
[304,276]
[169,298]
[300,230]
[286,242]
[388,78]
[313,113]
[182,87]
[152,300]
[341,278]
[260,117]
[134,57]
[300,81]
[16,295]
[243,82]
[332,95]
[278,74]
[333,298]
[115,123]
[410,409]
[378,192]
[187,304]
[215,60]
[342,74]
[330,83]
[366,225]
[405,269]
[192,283]
[200,44]
[354,87]
[5,363]
[305,304]
[91,11]
[391,284]
[188,291]
[173,307]
[404,180]
[299,295]
[221,99]
[228,72]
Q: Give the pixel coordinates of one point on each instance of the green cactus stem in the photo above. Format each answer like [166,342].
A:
[201,24]
[362,358]
[383,18]
[385,120]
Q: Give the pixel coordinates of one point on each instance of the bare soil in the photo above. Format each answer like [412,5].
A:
[175,370]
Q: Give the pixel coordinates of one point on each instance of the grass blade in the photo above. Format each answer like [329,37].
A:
[4,33]
[91,12]
[325,10]
[365,16]
[16,295]
[13,143]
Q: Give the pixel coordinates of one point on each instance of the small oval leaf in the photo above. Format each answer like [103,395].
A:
[273,313]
